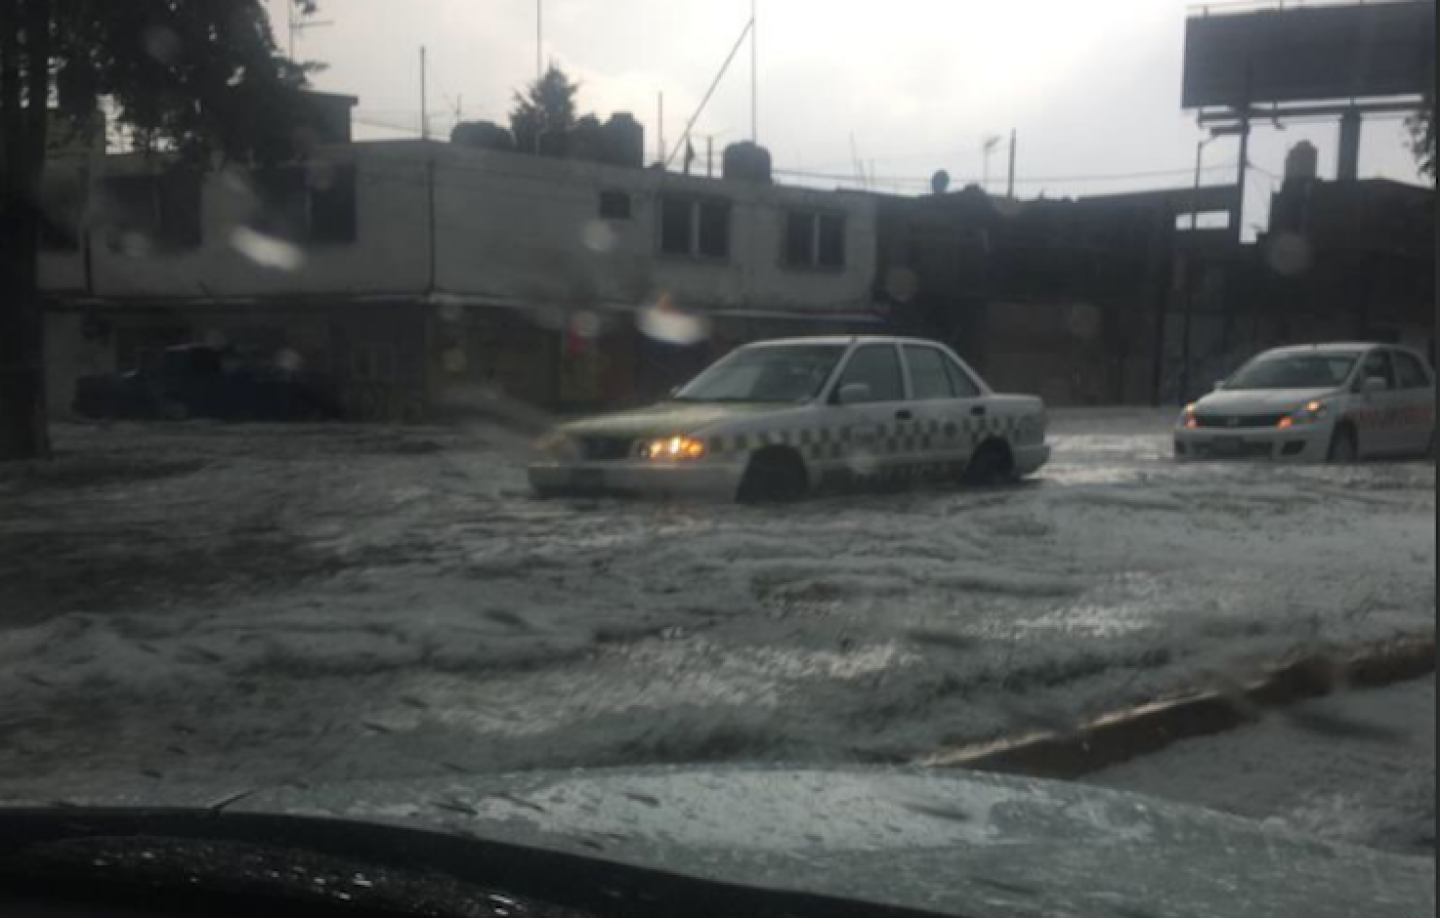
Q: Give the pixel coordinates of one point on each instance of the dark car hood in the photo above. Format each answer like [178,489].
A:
[958,844]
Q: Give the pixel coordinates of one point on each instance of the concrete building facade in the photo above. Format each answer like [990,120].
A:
[398,269]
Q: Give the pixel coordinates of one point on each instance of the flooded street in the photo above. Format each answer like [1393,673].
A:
[248,606]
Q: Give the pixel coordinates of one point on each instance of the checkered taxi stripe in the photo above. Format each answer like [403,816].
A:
[898,439]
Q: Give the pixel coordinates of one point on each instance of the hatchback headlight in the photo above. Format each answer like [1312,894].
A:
[1313,413]
[1188,419]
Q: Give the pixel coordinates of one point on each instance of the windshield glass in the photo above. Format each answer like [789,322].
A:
[424,390]
[1295,371]
[769,375]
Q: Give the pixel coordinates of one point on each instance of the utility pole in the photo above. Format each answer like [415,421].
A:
[1244,174]
[755,71]
[1010,183]
[661,131]
[424,95]
[1187,269]
[710,156]
[539,39]
[1239,218]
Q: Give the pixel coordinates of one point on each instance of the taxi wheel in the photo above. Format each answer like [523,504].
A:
[774,476]
[1344,448]
[992,464]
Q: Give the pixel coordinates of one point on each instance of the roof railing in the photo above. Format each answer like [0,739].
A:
[1229,8]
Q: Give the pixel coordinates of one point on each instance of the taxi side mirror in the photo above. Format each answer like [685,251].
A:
[1374,385]
[854,394]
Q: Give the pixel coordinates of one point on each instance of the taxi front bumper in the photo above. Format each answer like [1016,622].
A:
[655,479]
[1031,459]
[1305,444]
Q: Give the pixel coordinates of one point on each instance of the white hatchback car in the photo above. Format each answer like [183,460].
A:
[1330,402]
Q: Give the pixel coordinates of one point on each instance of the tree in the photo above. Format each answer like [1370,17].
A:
[1422,136]
[192,77]
[546,107]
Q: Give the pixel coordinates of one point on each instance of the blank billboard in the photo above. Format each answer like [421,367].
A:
[1309,54]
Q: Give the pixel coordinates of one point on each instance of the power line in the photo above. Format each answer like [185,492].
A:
[1033,180]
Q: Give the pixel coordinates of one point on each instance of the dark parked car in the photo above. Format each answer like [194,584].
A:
[200,381]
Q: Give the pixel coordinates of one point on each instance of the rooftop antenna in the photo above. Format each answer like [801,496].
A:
[989,145]
[855,161]
[300,22]
[724,68]
[424,94]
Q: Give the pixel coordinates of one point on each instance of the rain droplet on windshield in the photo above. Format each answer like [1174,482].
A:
[132,244]
[586,325]
[1290,255]
[266,251]
[162,44]
[662,322]
[902,284]
[289,360]
[599,237]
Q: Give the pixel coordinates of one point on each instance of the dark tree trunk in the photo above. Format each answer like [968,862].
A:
[24,103]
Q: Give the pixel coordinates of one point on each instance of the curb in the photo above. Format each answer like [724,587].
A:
[1130,734]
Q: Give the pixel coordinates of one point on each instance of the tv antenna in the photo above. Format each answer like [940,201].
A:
[989,145]
[301,21]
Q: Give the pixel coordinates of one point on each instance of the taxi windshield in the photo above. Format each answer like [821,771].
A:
[1308,371]
[767,375]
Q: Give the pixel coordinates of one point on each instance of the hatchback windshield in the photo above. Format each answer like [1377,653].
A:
[766,375]
[1308,371]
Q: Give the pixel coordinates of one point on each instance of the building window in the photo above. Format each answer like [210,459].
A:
[615,205]
[147,212]
[694,228]
[62,213]
[814,240]
[315,206]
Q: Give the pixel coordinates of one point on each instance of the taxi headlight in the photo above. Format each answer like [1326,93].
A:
[669,449]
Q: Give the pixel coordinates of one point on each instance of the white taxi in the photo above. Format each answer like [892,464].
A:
[1331,402]
[778,420]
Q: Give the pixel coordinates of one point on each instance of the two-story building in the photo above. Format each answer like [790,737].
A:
[400,269]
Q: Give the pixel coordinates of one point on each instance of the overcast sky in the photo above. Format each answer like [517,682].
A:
[1093,88]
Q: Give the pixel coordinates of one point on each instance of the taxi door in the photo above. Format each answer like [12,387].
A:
[947,405]
[873,415]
